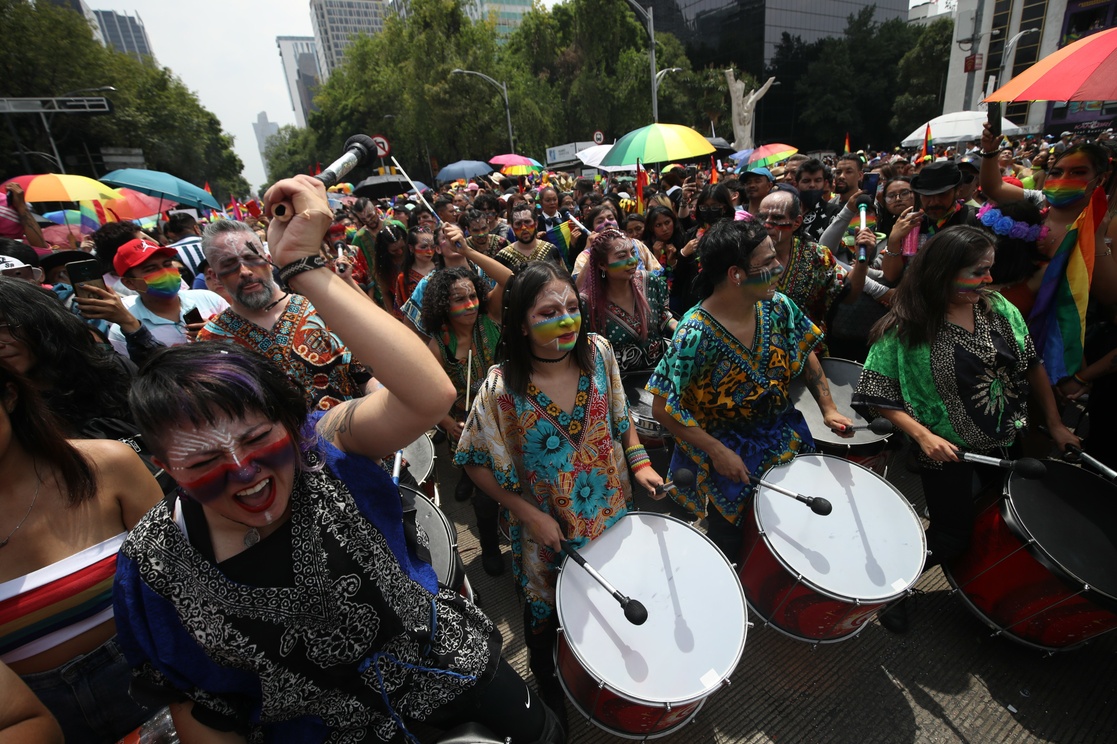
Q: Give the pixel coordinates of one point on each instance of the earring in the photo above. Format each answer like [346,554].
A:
[603,273]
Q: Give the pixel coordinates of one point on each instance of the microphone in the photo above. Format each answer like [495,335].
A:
[635,612]
[359,149]
[877,426]
[1026,467]
[863,203]
[683,477]
[819,506]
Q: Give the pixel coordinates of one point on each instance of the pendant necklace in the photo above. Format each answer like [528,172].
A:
[34,498]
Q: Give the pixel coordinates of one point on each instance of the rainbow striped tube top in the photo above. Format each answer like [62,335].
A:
[61,601]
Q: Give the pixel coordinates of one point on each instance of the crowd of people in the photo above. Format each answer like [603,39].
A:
[197,511]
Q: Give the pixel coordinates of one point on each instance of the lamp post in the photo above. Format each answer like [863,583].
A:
[1010,54]
[46,121]
[650,21]
[662,74]
[504,91]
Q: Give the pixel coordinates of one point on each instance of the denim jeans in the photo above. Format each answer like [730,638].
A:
[89,696]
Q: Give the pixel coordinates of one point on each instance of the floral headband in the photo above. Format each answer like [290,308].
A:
[992,218]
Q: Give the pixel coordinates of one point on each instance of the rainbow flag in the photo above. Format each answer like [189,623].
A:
[233,208]
[1058,318]
[207,189]
[641,184]
[713,170]
[928,148]
[847,144]
[560,236]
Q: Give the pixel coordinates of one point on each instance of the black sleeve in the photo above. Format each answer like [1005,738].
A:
[141,345]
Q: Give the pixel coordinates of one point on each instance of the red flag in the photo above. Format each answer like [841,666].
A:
[847,143]
[253,207]
[641,184]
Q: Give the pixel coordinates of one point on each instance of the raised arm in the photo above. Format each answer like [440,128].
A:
[417,393]
[992,185]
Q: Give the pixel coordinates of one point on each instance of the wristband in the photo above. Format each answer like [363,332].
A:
[293,269]
[992,154]
[1079,380]
[646,463]
[636,456]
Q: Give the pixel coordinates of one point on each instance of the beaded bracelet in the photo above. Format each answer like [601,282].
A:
[637,457]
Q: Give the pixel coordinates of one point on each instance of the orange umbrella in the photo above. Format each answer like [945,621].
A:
[1083,71]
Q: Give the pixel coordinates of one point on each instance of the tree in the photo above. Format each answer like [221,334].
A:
[289,151]
[922,78]
[152,109]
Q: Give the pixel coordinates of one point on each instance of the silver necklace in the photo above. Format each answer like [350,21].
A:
[34,498]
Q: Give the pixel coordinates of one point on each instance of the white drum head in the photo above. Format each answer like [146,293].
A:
[420,458]
[870,547]
[695,631]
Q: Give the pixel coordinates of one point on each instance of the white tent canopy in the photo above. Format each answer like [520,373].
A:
[592,156]
[961,126]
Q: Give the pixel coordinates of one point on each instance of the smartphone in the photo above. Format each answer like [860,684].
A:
[690,172]
[994,113]
[82,273]
[869,184]
[192,316]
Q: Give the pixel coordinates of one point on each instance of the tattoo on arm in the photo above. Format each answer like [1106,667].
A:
[337,421]
[816,381]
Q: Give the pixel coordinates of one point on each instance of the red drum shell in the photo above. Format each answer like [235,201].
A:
[1040,567]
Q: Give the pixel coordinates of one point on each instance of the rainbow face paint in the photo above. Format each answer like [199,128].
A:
[1059,192]
[464,307]
[762,276]
[622,267]
[163,283]
[424,252]
[970,283]
[243,470]
[549,332]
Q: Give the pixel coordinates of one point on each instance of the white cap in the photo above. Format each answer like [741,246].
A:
[7,262]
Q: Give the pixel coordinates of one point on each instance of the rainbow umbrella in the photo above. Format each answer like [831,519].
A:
[520,170]
[513,159]
[1083,71]
[60,187]
[769,155]
[657,143]
[73,217]
[133,205]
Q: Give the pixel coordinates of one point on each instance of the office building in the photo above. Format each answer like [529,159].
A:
[263,129]
[299,57]
[79,6]
[336,22]
[507,15]
[124,33]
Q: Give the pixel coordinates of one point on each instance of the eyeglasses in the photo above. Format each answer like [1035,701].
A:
[233,264]
[898,195]
[6,334]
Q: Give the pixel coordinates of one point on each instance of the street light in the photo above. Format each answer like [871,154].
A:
[662,74]
[1010,54]
[504,90]
[650,20]
[46,121]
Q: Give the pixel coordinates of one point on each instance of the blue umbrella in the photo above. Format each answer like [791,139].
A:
[162,185]
[742,155]
[419,185]
[463,169]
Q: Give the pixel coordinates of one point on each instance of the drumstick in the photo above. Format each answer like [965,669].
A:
[468,378]
[877,426]
[818,505]
[1101,467]
[1026,467]
[683,477]
[396,466]
[634,611]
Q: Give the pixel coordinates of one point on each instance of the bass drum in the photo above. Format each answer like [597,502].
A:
[862,447]
[820,578]
[649,680]
[1042,565]
[442,540]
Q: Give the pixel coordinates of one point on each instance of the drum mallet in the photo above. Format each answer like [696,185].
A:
[1100,466]
[359,150]
[1025,467]
[880,426]
[818,505]
[683,477]
[634,611]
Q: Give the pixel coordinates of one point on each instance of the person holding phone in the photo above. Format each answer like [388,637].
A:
[160,305]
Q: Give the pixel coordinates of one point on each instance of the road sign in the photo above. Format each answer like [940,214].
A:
[598,137]
[972,63]
[383,149]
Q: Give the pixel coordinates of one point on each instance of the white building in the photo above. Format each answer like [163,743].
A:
[299,57]
[335,22]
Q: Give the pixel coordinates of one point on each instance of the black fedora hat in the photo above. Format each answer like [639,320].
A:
[935,178]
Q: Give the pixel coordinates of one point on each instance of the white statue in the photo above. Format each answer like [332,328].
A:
[743,108]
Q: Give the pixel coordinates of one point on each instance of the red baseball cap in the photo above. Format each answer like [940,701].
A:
[135,252]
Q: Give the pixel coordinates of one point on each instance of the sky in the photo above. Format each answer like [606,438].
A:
[225,51]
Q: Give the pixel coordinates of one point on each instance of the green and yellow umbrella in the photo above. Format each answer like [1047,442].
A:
[657,143]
